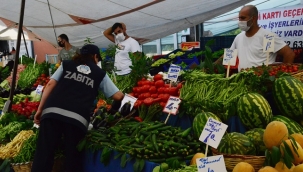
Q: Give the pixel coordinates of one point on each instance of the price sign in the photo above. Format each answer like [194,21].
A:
[128,98]
[268,42]
[211,164]
[213,132]
[230,56]
[172,105]
[39,89]
[173,72]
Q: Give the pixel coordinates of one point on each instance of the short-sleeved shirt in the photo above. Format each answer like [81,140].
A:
[250,49]
[107,87]
[122,60]
[68,54]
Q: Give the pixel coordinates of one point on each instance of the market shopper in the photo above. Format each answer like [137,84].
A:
[68,50]
[125,44]
[249,43]
[64,110]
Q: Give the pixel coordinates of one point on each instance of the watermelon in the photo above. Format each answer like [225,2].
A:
[292,126]
[236,143]
[254,111]
[200,120]
[288,95]
[256,136]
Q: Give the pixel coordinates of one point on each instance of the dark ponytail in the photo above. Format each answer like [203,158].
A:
[83,58]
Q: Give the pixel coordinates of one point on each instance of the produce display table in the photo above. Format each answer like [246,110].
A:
[92,163]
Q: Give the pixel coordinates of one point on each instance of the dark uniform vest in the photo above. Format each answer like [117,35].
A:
[71,99]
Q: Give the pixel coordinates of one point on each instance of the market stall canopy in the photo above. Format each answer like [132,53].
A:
[145,20]
[9,31]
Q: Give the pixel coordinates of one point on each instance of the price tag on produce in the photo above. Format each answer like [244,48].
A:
[173,72]
[211,164]
[172,105]
[268,42]
[213,132]
[230,57]
[39,89]
[128,98]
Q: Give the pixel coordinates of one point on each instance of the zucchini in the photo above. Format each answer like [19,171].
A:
[160,160]
[154,142]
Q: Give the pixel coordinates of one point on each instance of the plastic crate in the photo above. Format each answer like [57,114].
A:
[188,62]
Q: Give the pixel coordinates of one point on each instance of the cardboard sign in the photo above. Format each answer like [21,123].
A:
[39,89]
[172,105]
[211,164]
[213,132]
[187,46]
[128,98]
[173,72]
[230,56]
[268,42]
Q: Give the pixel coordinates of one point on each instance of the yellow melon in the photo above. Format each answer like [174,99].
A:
[298,157]
[243,166]
[196,156]
[299,138]
[298,168]
[274,134]
[281,167]
[268,169]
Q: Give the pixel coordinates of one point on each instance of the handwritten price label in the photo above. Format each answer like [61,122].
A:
[39,89]
[173,72]
[172,105]
[211,164]
[230,56]
[269,42]
[213,132]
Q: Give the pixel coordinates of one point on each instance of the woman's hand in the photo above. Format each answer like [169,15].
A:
[37,117]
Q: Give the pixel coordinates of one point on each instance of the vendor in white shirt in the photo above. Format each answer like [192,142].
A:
[249,43]
[125,44]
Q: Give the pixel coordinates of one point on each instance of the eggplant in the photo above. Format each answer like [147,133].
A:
[125,110]
[115,106]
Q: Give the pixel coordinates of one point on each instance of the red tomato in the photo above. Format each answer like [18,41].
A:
[146,88]
[162,104]
[167,85]
[146,95]
[159,83]
[143,79]
[154,96]
[148,101]
[136,95]
[139,83]
[179,85]
[166,90]
[158,77]
[135,89]
[146,82]
[151,83]
[153,89]
[173,91]
[138,119]
[141,97]
[161,90]
[165,97]
[140,90]
[131,94]
[137,103]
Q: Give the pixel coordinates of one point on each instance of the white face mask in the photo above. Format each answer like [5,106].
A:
[120,37]
[243,25]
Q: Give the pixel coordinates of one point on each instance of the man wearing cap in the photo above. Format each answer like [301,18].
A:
[125,44]
[68,50]
[64,108]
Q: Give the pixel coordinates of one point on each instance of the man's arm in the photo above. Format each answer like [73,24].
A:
[287,54]
[109,35]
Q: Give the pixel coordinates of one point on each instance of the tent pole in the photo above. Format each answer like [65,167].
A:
[20,24]
[25,43]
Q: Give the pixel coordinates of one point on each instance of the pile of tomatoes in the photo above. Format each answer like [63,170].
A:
[26,108]
[155,91]
[41,80]
[276,69]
